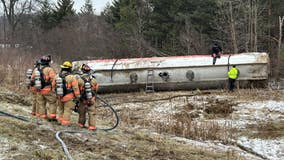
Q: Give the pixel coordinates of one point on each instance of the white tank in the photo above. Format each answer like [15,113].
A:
[177,72]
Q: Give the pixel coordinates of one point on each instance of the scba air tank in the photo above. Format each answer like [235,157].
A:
[88,90]
[37,80]
[28,77]
[59,86]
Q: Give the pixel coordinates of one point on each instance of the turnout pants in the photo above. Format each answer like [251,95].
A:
[49,98]
[91,110]
[35,107]
[64,111]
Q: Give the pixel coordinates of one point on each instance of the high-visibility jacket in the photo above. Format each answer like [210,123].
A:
[233,73]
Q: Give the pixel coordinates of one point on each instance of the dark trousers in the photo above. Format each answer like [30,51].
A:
[215,56]
[231,84]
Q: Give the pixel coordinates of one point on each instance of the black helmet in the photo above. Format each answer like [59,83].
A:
[85,68]
[38,62]
[45,60]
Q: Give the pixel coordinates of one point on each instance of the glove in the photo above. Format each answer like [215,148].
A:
[89,103]
[75,109]
[76,101]
[32,82]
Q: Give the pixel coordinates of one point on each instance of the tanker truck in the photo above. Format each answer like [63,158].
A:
[177,72]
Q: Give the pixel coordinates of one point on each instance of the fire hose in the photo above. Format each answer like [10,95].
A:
[2,113]
[58,133]
[64,146]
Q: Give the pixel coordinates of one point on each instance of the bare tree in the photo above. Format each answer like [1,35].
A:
[14,10]
[231,12]
[191,39]
[232,28]
[281,20]
[252,21]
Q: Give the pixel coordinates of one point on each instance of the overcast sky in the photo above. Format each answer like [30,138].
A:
[97,4]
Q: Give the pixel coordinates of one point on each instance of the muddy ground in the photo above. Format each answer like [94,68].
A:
[163,125]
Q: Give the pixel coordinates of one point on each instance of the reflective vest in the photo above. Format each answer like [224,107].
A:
[233,73]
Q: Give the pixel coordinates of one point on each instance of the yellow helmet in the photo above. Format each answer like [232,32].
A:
[66,64]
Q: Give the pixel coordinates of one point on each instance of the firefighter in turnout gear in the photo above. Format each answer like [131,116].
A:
[31,86]
[43,77]
[88,87]
[67,91]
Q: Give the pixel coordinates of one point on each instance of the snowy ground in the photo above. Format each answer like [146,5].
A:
[246,112]
[253,126]
[262,111]
[271,149]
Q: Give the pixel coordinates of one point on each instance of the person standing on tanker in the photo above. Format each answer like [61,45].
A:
[233,74]
[88,87]
[43,82]
[70,93]
[216,52]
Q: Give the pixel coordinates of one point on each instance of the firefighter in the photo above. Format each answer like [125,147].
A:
[233,74]
[216,52]
[43,77]
[67,90]
[30,85]
[88,86]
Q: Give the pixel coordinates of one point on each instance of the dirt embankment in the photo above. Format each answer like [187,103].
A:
[148,129]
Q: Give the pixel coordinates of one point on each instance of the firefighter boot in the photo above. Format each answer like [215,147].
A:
[92,117]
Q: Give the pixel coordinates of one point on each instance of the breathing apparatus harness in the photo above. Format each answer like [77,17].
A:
[61,85]
[29,72]
[29,82]
[88,92]
[40,81]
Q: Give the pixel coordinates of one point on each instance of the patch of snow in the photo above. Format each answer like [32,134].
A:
[259,111]
[271,149]
[37,143]
[4,147]
[232,123]
[217,147]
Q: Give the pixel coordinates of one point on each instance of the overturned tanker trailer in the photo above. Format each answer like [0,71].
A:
[177,72]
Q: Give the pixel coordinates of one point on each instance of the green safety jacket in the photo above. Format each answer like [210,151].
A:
[233,73]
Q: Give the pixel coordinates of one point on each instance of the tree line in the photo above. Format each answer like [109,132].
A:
[143,28]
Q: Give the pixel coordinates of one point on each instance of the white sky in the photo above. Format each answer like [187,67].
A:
[97,4]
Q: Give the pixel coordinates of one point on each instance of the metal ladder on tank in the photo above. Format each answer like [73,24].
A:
[150,81]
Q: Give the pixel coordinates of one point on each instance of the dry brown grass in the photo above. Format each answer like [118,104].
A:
[121,144]
[219,108]
[13,65]
[266,130]
[255,95]
[179,124]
